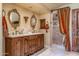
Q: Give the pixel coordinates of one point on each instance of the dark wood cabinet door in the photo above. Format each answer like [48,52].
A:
[17,47]
[8,47]
[77,33]
[32,44]
[22,46]
[26,50]
[75,30]
[40,41]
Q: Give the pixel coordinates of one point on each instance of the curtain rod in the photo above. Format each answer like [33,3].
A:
[58,9]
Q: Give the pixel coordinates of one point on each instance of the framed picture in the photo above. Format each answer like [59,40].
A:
[42,23]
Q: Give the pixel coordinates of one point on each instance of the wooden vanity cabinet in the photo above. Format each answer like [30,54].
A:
[34,43]
[26,45]
[14,46]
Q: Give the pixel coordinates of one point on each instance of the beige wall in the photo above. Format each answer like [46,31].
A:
[0,29]
[23,12]
[46,16]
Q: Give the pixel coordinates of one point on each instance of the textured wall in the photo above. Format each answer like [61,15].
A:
[23,12]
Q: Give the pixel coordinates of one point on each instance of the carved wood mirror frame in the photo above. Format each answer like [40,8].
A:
[13,23]
[33,21]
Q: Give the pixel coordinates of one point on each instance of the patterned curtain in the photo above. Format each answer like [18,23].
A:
[64,14]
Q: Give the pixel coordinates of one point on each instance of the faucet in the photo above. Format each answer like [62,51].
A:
[21,32]
[16,32]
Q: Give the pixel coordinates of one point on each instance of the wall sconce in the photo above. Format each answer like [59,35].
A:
[25,17]
[47,26]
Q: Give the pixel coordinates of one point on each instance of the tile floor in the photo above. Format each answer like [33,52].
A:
[55,50]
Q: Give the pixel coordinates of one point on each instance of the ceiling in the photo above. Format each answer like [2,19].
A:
[40,8]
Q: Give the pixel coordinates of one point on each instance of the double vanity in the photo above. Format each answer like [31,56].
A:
[19,44]
[24,45]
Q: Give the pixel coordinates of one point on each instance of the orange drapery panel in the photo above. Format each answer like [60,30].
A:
[4,24]
[64,14]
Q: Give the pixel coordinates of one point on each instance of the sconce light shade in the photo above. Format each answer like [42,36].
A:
[46,26]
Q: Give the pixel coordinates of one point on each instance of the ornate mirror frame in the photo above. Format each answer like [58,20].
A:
[16,22]
[33,21]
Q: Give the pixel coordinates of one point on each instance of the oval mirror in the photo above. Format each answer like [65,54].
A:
[33,21]
[14,18]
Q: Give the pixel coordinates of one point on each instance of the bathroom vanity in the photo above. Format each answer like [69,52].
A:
[24,45]
[17,43]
